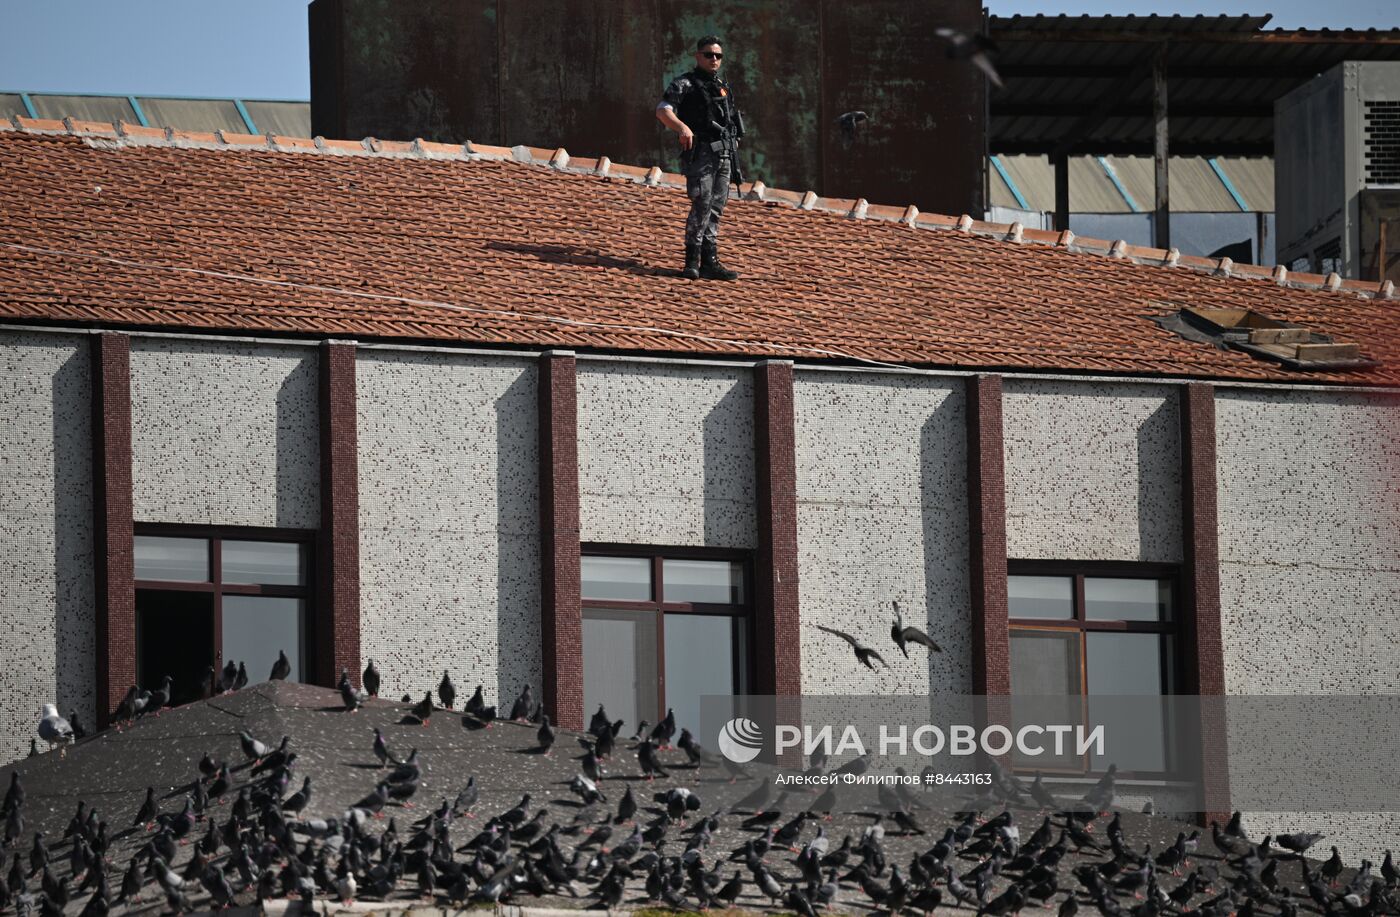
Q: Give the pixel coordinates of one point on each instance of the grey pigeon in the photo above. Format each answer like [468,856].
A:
[447,691]
[370,680]
[520,710]
[281,668]
[349,697]
[228,676]
[381,749]
[158,698]
[545,735]
[252,748]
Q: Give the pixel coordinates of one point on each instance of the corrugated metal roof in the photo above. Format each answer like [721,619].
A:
[193,114]
[1253,178]
[12,104]
[1224,74]
[83,108]
[286,119]
[1194,185]
[1176,22]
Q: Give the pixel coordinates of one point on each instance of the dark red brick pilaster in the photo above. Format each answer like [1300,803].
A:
[561,615]
[337,625]
[1204,651]
[114,568]
[777,624]
[986,517]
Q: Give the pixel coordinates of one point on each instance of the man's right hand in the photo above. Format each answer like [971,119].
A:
[687,138]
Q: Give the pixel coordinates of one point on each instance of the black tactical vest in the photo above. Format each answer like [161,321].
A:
[709,100]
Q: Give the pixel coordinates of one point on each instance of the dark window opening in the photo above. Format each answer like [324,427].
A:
[175,637]
[1090,630]
[663,628]
[1328,257]
[207,596]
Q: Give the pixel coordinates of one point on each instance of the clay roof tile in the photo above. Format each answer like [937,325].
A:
[529,247]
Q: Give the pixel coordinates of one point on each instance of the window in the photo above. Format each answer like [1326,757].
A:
[207,596]
[662,628]
[1098,630]
[1329,257]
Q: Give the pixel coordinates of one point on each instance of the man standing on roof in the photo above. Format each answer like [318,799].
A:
[700,107]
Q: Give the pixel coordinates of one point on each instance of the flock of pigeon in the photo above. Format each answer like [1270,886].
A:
[249,830]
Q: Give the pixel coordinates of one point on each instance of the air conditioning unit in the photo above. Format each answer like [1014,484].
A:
[1337,172]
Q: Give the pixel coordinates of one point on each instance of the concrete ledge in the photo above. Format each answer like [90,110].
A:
[288,907]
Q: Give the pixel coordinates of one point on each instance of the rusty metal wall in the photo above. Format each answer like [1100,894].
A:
[586,75]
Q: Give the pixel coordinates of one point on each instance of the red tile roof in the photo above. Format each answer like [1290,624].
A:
[127,226]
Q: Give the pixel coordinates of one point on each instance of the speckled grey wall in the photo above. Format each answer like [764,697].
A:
[665,455]
[1309,520]
[224,433]
[1093,471]
[1309,511]
[882,514]
[46,563]
[449,521]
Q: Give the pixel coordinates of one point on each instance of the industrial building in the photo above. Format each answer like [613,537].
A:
[450,406]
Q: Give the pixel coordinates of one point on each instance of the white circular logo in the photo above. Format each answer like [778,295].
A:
[740,740]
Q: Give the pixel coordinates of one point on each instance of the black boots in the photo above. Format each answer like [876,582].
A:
[703,261]
[711,268]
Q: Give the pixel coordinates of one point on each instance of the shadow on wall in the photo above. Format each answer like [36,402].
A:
[1159,484]
[517,541]
[299,446]
[75,637]
[943,504]
[727,439]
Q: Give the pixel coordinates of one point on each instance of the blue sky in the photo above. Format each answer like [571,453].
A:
[256,49]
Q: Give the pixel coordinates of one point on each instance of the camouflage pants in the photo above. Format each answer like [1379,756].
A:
[707,183]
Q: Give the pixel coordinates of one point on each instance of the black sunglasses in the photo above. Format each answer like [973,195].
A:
[713,55]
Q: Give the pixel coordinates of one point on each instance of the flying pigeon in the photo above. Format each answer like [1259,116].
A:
[863,653]
[903,636]
[976,48]
[849,123]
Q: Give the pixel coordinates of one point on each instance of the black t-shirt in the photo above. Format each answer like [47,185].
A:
[690,95]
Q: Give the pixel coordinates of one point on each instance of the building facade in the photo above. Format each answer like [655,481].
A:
[638,523]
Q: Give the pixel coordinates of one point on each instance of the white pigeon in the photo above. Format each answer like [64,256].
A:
[53,728]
